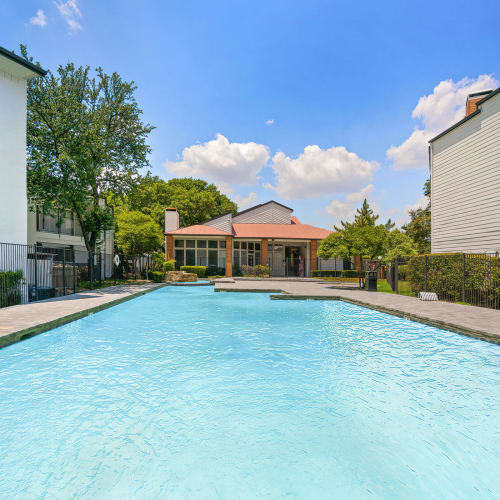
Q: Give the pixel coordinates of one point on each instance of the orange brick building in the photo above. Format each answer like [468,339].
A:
[266,234]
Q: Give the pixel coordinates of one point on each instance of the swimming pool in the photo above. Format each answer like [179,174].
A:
[186,393]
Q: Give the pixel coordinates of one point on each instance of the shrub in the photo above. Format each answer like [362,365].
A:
[169,265]
[323,273]
[445,274]
[350,273]
[198,270]
[215,272]
[255,271]
[156,276]
[403,272]
[10,288]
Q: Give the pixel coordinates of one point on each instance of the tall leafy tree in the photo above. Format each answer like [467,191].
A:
[419,227]
[364,217]
[365,241]
[196,200]
[137,233]
[85,138]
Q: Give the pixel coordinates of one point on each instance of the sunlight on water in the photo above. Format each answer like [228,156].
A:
[187,393]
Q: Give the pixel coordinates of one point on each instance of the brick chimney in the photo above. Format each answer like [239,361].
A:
[473,99]
[171,219]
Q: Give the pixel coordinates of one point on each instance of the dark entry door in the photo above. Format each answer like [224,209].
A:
[292,261]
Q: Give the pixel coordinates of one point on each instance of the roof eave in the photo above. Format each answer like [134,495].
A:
[23,62]
[468,117]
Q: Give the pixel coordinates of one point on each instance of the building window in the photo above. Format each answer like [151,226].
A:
[209,253]
[246,253]
[179,258]
[48,223]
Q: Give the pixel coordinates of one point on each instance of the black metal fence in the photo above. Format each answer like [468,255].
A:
[457,277]
[31,272]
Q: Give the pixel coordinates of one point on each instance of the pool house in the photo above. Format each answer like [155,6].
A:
[266,234]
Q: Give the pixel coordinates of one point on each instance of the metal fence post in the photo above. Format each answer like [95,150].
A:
[396,277]
[91,270]
[425,283]
[463,277]
[74,273]
[36,271]
[64,271]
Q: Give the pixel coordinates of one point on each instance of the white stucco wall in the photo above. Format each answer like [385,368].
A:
[13,200]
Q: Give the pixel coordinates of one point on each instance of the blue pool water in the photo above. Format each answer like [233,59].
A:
[187,393]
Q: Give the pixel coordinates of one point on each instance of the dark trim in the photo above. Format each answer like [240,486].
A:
[19,60]
[482,92]
[261,205]
[491,94]
[461,122]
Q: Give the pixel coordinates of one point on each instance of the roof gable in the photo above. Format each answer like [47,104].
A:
[270,212]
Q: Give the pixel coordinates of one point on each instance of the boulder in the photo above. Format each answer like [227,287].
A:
[181,276]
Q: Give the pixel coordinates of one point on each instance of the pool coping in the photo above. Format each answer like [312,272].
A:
[276,294]
[478,334]
[26,333]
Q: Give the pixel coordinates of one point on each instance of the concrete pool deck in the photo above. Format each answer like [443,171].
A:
[26,320]
[473,321]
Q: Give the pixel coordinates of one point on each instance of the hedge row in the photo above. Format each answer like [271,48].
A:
[348,273]
[445,276]
[156,276]
[198,270]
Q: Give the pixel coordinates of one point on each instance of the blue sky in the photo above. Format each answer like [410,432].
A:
[314,104]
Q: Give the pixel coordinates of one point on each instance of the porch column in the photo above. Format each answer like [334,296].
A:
[264,248]
[313,265]
[229,256]
[169,247]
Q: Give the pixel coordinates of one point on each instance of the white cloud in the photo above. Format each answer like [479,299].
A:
[270,122]
[436,112]
[404,217]
[70,12]
[317,172]
[40,19]
[222,162]
[245,201]
[360,195]
[346,210]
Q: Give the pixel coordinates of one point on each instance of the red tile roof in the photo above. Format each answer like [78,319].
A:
[295,231]
[200,230]
[282,231]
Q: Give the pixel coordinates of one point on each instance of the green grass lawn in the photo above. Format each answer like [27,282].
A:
[403,287]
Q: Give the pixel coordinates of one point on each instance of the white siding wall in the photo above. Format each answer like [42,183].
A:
[270,213]
[223,223]
[465,173]
[13,200]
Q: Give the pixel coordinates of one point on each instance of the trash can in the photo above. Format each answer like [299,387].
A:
[371,281]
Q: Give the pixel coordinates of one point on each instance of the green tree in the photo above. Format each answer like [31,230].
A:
[419,227]
[196,200]
[137,233]
[364,217]
[365,241]
[399,244]
[85,138]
